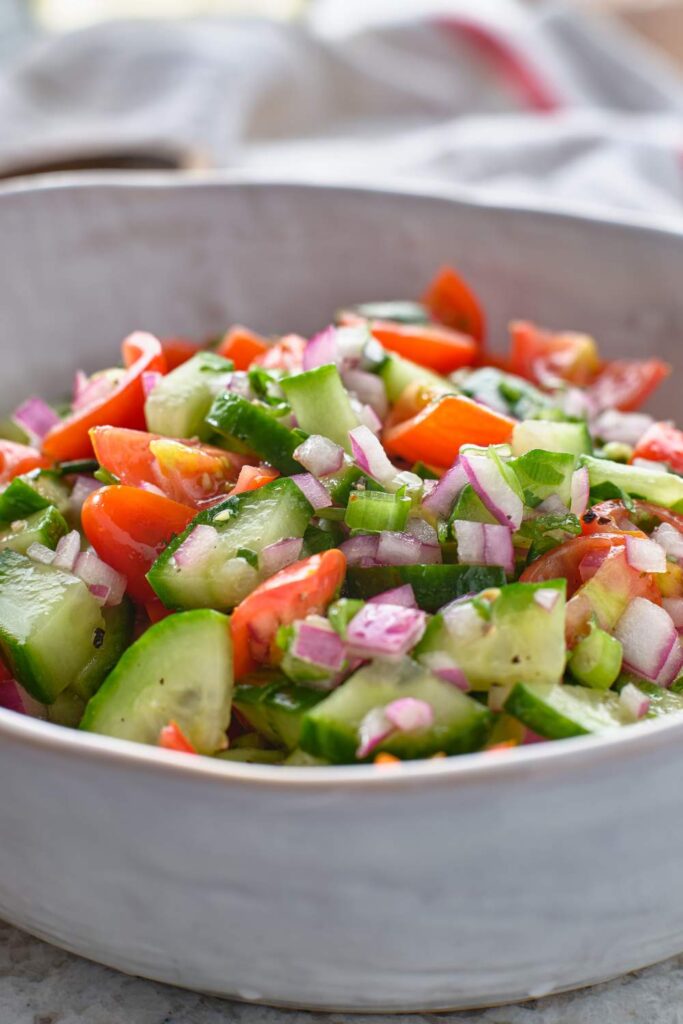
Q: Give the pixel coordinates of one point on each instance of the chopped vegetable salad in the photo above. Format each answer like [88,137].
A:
[377,544]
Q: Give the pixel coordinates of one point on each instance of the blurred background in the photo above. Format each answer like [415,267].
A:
[570,101]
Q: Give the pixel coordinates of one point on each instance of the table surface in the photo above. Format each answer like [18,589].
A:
[43,985]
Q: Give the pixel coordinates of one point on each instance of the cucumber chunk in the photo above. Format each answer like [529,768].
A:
[399,311]
[234,417]
[48,624]
[31,492]
[551,436]
[613,478]
[433,585]
[397,373]
[109,643]
[43,527]
[217,577]
[180,670]
[596,659]
[276,710]
[330,729]
[511,639]
[321,403]
[179,402]
[558,711]
[471,508]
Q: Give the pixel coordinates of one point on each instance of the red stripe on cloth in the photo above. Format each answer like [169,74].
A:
[536,94]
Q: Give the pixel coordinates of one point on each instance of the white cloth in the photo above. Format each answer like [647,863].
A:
[529,99]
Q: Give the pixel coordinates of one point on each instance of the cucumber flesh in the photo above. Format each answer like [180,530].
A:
[660,488]
[515,640]
[433,585]
[471,508]
[321,403]
[551,436]
[43,527]
[108,645]
[276,711]
[234,417]
[180,670]
[558,711]
[48,620]
[399,311]
[217,577]
[181,399]
[331,729]
[397,373]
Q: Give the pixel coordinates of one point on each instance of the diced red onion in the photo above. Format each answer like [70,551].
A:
[351,341]
[153,489]
[532,737]
[494,491]
[36,417]
[80,385]
[654,467]
[674,607]
[373,729]
[423,530]
[446,668]
[100,592]
[633,702]
[580,491]
[14,697]
[622,427]
[647,635]
[484,544]
[312,490]
[590,563]
[385,631]
[280,554]
[357,549]
[150,379]
[82,489]
[409,714]
[396,548]
[672,666]
[370,455]
[319,455]
[321,349]
[368,389]
[91,390]
[369,418]
[96,573]
[644,555]
[497,697]
[430,554]
[238,383]
[546,598]
[575,402]
[403,595]
[444,494]
[669,539]
[463,621]
[199,543]
[319,645]
[552,505]
[67,551]
[40,553]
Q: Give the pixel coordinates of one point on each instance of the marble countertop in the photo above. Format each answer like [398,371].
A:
[43,985]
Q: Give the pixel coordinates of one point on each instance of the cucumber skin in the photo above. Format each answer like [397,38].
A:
[433,585]
[664,489]
[43,527]
[120,701]
[532,704]
[161,568]
[276,711]
[118,633]
[231,415]
[398,372]
[182,398]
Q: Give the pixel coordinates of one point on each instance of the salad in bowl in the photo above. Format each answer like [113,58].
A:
[378,544]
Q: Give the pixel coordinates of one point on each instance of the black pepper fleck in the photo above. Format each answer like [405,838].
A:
[516,660]
[604,520]
[589,516]
[98,637]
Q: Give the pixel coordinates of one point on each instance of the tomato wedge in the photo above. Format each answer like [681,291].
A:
[614,516]
[129,528]
[172,737]
[662,443]
[452,302]
[538,354]
[302,589]
[186,471]
[435,435]
[19,458]
[122,407]
[242,346]
[286,355]
[435,346]
[626,383]
[563,562]
[253,477]
[178,350]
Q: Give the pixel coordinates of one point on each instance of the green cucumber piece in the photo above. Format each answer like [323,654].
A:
[276,711]
[179,670]
[551,436]
[471,508]
[219,578]
[43,527]
[433,585]
[181,399]
[67,710]
[341,612]
[11,431]
[375,511]
[252,755]
[78,467]
[31,492]
[558,711]
[321,403]
[397,373]
[660,488]
[109,643]
[48,620]
[341,483]
[503,391]
[399,311]
[330,729]
[596,659]
[509,640]
[233,416]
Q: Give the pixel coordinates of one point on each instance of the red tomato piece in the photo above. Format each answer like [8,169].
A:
[286,355]
[538,354]
[178,350]
[626,383]
[124,406]
[172,737]
[129,528]
[302,589]
[19,458]
[662,443]
[452,302]
[242,346]
[253,477]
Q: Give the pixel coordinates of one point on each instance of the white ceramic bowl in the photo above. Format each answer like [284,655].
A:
[446,884]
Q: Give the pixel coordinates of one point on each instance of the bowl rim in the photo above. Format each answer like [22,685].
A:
[639,739]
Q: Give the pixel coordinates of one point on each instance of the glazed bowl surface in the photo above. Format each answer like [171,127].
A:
[445,884]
